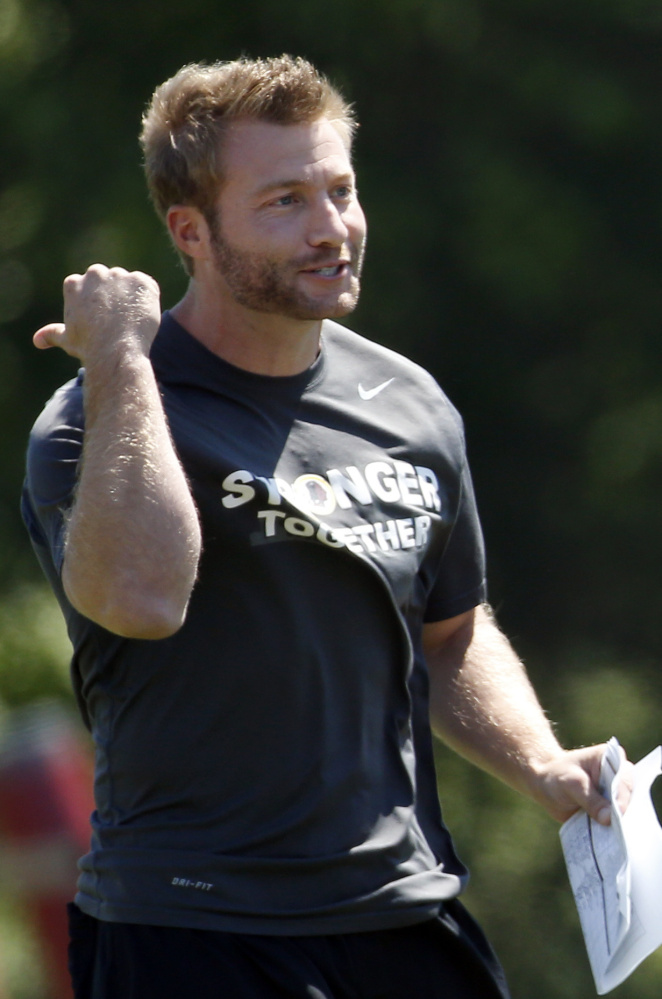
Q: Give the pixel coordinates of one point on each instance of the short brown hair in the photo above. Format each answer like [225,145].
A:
[185,120]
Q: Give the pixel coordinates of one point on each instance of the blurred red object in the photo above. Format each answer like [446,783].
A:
[45,805]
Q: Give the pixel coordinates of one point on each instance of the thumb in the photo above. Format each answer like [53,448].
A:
[588,797]
[599,809]
[48,336]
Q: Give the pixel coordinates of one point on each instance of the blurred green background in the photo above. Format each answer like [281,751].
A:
[510,163]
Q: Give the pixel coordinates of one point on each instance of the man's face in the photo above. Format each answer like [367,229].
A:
[289,232]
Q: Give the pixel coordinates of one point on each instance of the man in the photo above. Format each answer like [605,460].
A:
[262,532]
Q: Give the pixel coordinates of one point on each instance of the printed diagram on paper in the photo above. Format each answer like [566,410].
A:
[616,873]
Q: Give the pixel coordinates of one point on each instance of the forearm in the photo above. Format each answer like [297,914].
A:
[484,707]
[133,539]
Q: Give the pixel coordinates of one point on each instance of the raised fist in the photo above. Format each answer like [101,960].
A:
[106,311]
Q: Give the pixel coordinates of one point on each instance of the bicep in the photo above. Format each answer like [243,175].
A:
[51,474]
[438,634]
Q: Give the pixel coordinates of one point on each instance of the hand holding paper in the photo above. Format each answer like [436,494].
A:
[616,873]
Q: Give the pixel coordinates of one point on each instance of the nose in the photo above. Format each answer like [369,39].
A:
[327,226]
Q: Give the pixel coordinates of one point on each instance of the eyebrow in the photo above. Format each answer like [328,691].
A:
[277,185]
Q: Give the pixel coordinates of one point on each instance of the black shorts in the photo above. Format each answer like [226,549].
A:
[443,958]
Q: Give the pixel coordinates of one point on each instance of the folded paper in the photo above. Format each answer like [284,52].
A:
[616,873]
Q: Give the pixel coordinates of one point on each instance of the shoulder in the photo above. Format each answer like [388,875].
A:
[371,365]
[56,438]
[64,408]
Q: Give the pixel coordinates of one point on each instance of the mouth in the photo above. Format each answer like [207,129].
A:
[329,270]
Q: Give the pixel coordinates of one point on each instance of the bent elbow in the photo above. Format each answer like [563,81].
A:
[128,612]
[148,623]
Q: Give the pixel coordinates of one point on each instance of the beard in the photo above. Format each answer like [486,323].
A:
[263,284]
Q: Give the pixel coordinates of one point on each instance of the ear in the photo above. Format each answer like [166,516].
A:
[189,230]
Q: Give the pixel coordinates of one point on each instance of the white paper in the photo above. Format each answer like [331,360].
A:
[616,873]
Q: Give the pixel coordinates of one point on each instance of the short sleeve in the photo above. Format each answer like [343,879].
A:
[460,583]
[53,456]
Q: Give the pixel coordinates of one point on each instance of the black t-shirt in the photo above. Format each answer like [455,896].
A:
[268,768]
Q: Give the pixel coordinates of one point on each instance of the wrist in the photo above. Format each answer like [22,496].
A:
[118,379]
[539,768]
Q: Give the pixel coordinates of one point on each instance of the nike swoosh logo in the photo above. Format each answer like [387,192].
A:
[368,394]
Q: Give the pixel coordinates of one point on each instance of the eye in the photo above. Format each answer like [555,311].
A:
[343,191]
[285,200]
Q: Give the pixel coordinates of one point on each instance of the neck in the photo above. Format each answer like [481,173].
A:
[260,342]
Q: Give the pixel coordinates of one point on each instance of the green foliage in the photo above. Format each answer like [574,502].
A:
[34,648]
[519,887]
[509,160]
[22,975]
